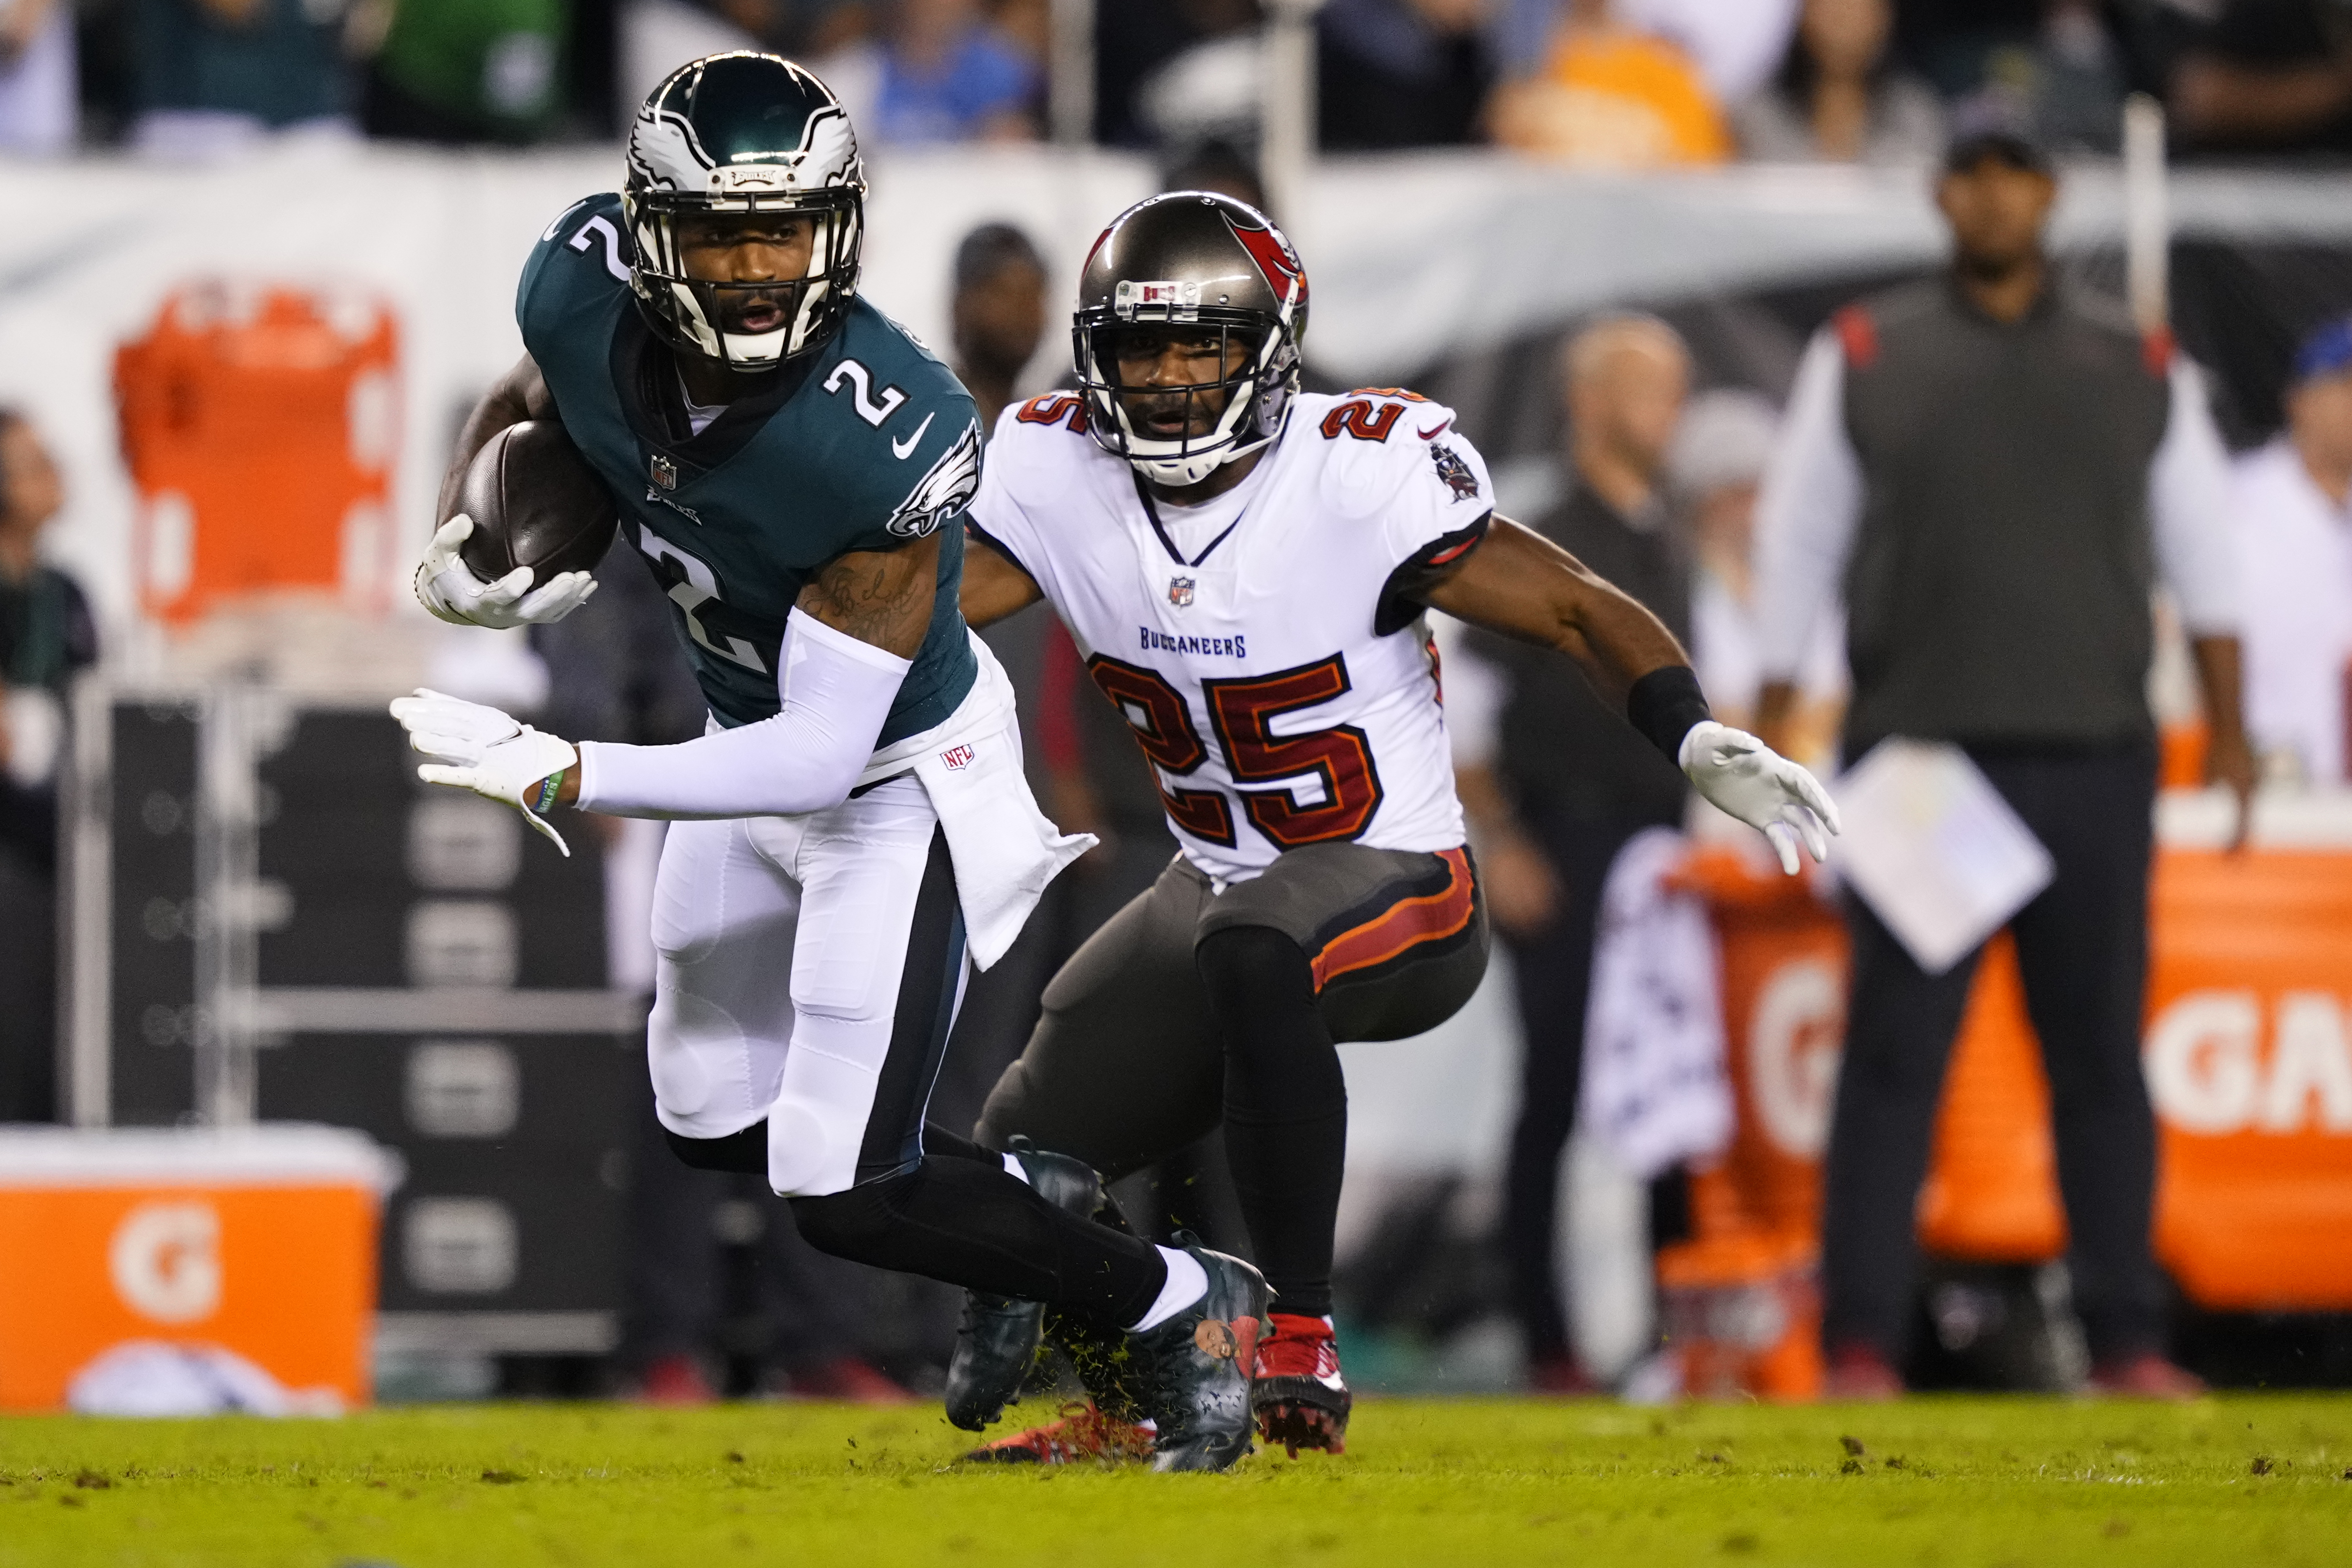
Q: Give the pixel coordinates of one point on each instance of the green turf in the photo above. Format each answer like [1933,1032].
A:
[2247,1483]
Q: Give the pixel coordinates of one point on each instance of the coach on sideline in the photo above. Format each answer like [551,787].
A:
[1994,469]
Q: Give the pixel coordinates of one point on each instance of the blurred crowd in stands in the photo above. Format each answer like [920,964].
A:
[1611,83]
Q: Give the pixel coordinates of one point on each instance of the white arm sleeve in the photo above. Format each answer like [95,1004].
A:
[2189,510]
[836,693]
[1806,512]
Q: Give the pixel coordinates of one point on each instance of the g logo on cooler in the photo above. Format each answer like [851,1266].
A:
[165,1260]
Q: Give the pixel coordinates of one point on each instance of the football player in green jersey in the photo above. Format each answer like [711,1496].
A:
[794,467]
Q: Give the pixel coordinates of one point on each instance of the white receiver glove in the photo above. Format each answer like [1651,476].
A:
[1745,779]
[486,751]
[448,588]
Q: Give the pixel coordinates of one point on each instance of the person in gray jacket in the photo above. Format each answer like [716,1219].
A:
[1992,470]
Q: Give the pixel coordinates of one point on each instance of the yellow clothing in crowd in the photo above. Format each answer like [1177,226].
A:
[1614,98]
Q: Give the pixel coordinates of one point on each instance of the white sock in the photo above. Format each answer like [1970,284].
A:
[1013,1168]
[1187,1284]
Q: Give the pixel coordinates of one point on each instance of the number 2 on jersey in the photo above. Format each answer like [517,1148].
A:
[700,587]
[1243,713]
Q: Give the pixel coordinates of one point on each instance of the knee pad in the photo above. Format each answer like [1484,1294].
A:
[816,1127]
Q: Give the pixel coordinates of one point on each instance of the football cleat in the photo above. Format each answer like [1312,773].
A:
[998,1340]
[1084,1435]
[1196,1368]
[1300,1399]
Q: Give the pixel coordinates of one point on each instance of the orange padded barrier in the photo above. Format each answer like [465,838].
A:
[261,427]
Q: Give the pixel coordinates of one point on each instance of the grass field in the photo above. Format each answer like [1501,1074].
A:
[2259,1481]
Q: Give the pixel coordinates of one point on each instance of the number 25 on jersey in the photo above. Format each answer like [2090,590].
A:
[1241,712]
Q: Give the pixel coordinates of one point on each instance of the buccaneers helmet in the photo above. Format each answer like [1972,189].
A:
[743,133]
[1192,257]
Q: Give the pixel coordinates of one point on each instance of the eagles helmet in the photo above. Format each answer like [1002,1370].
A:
[743,133]
[1189,258]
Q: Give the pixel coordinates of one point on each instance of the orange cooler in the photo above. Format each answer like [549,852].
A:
[258,1240]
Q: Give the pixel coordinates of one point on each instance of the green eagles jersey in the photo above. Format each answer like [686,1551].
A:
[867,444]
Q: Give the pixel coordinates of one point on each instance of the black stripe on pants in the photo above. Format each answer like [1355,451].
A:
[929,988]
[2082,950]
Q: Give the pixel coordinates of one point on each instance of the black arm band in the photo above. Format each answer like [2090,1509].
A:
[1665,704]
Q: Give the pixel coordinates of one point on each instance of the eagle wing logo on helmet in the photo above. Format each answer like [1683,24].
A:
[947,490]
[665,151]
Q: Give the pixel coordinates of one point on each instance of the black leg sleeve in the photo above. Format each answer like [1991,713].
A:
[961,1222]
[1285,1107]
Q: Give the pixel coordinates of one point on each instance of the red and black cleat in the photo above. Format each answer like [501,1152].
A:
[1300,1399]
[1083,1436]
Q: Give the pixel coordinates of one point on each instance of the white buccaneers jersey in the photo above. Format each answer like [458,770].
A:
[1284,691]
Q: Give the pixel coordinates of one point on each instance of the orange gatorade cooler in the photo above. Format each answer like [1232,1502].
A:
[258,1241]
[261,427]
[1741,1297]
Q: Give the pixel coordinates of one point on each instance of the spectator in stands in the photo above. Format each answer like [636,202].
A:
[216,76]
[998,315]
[1137,44]
[46,634]
[1734,44]
[1995,467]
[37,110]
[1612,97]
[1716,465]
[1400,73]
[2054,66]
[1554,783]
[1837,97]
[2269,76]
[467,71]
[2292,504]
[942,73]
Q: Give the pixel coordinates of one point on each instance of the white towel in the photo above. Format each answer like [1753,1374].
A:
[1655,1090]
[1004,849]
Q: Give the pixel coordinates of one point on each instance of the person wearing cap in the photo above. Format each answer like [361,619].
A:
[1992,471]
[2291,504]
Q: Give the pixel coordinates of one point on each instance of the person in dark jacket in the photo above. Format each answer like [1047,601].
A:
[1566,783]
[1993,470]
[47,633]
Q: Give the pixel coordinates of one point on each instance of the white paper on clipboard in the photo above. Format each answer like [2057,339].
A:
[1934,850]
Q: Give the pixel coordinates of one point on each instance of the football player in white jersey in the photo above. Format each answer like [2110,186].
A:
[1245,570]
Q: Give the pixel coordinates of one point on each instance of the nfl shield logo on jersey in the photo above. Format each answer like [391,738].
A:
[1180,591]
[664,472]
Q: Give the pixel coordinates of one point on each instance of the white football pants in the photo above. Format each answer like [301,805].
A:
[810,970]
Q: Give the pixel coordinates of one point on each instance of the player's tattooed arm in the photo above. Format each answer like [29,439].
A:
[993,585]
[1520,584]
[883,598]
[520,394]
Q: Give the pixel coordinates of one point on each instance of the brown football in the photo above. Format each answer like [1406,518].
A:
[535,502]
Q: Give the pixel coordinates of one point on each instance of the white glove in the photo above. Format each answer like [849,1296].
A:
[1745,779]
[486,751]
[448,588]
